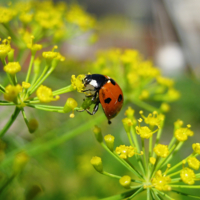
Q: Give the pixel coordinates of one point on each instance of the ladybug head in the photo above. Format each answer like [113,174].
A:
[87,80]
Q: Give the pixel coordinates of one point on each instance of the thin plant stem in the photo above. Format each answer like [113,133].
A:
[10,122]
[144,154]
[30,68]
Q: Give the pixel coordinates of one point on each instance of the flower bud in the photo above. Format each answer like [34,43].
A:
[97,133]
[165,107]
[109,139]
[32,125]
[125,181]
[20,161]
[97,163]
[70,105]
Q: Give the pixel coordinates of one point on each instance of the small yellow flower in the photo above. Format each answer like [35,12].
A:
[26,17]
[187,176]
[127,122]
[45,94]
[161,150]
[60,57]
[182,134]
[172,95]
[5,47]
[129,56]
[12,68]
[125,151]
[144,131]
[125,181]
[97,163]
[6,14]
[160,182]
[77,82]
[34,47]
[193,163]
[152,160]
[26,85]
[12,92]
[153,119]
[196,148]
[129,112]
[165,81]
[50,55]
[109,139]
[178,124]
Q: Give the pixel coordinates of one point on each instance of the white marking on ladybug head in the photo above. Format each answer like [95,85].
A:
[108,81]
[94,83]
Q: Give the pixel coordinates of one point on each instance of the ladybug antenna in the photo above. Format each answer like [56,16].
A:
[109,122]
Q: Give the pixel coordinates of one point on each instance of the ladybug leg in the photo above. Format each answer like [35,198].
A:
[96,107]
[95,96]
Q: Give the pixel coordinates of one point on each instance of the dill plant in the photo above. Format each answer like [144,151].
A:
[29,27]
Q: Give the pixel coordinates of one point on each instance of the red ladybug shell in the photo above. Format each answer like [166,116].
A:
[111,98]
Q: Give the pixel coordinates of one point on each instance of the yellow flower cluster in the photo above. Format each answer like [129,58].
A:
[46,18]
[161,182]
[161,150]
[139,78]
[182,134]
[125,151]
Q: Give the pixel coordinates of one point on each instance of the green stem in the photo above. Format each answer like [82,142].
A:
[45,108]
[173,140]
[63,90]
[30,68]
[24,116]
[186,186]
[138,191]
[163,194]
[10,121]
[130,139]
[34,86]
[148,194]
[2,89]
[135,140]
[178,164]
[6,103]
[111,175]
[144,154]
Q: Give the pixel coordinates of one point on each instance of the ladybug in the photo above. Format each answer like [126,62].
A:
[106,92]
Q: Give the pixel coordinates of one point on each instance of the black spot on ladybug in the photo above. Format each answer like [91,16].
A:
[108,100]
[112,81]
[120,98]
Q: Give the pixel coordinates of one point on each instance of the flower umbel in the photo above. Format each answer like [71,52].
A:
[148,171]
